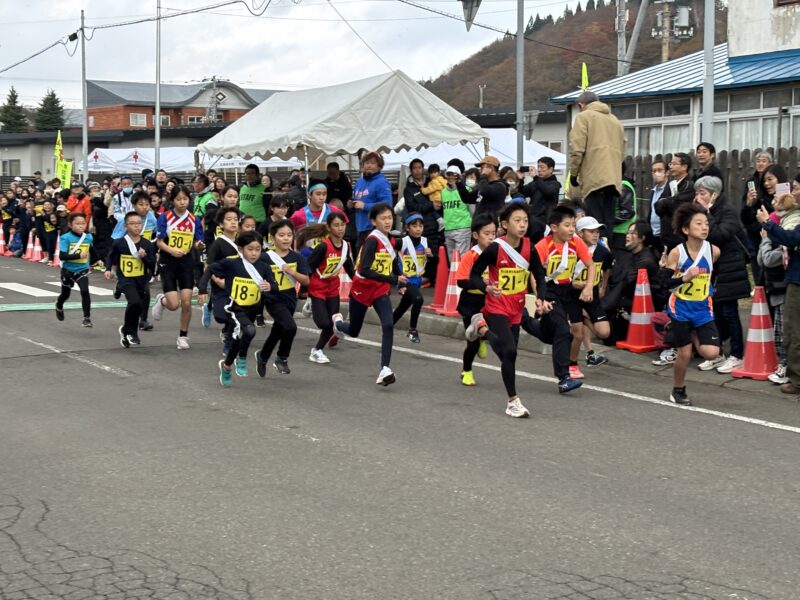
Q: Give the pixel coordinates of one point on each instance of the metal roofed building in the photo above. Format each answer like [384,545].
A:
[756,81]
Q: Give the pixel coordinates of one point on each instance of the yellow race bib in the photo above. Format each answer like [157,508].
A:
[410,262]
[181,240]
[555,261]
[598,273]
[382,263]
[245,291]
[74,248]
[512,280]
[149,234]
[331,265]
[284,282]
[131,266]
[695,290]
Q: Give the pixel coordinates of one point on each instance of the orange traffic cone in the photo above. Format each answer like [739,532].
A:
[453,291]
[440,291]
[760,357]
[3,247]
[29,248]
[55,261]
[641,337]
[345,283]
[36,256]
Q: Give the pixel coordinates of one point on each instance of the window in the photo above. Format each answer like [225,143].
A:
[165,120]
[777,98]
[555,146]
[195,120]
[769,132]
[796,131]
[786,2]
[10,167]
[630,141]
[720,137]
[624,111]
[650,140]
[650,110]
[138,119]
[750,101]
[674,108]
[676,138]
[745,134]
[797,96]
[721,103]
[91,120]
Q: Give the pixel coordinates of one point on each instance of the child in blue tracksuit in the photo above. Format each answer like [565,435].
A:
[76,255]
[413,252]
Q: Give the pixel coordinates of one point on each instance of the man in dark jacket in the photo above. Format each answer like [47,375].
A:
[417,202]
[542,192]
[679,190]
[489,195]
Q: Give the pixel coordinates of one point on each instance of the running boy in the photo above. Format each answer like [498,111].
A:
[414,252]
[76,253]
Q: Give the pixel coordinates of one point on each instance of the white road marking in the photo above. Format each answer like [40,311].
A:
[74,356]
[29,290]
[594,388]
[94,290]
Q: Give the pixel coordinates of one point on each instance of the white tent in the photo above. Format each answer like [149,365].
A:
[502,144]
[382,113]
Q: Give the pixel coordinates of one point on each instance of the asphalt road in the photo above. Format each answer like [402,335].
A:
[133,474]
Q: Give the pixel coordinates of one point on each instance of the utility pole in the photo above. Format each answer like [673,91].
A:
[520,123]
[708,79]
[637,28]
[85,125]
[481,88]
[620,29]
[666,34]
[157,118]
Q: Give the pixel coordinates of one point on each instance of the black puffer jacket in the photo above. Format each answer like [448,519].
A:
[417,202]
[666,207]
[730,269]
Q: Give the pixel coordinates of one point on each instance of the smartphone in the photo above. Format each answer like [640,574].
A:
[751,186]
[524,169]
[781,189]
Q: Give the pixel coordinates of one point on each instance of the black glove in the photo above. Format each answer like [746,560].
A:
[573,181]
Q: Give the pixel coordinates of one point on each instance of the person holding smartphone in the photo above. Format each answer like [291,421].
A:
[761,192]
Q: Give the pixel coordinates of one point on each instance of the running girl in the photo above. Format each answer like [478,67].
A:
[414,253]
[75,253]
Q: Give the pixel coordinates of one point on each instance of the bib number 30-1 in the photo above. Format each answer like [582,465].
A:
[181,240]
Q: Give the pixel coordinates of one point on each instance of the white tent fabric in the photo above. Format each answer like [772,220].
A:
[382,113]
[502,144]
[178,159]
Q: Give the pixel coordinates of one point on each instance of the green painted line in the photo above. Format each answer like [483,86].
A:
[51,305]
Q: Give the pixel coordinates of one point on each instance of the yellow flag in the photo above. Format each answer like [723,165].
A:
[64,173]
[584,77]
[58,150]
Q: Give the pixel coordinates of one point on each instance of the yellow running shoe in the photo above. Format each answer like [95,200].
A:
[467,378]
[482,349]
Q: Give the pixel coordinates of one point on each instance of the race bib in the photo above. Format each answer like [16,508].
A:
[331,266]
[130,266]
[149,234]
[284,282]
[695,290]
[410,262]
[512,280]
[245,291]
[598,273]
[82,248]
[382,263]
[181,240]
[566,275]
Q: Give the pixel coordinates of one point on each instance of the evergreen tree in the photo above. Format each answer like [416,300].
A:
[12,117]
[601,4]
[530,27]
[567,12]
[578,9]
[590,5]
[50,114]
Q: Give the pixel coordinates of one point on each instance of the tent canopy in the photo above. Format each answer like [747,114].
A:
[385,112]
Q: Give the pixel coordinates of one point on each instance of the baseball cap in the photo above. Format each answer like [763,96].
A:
[588,223]
[92,184]
[413,217]
[453,169]
[61,207]
[488,160]
[17,178]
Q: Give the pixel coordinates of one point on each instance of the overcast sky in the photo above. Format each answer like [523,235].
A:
[293,45]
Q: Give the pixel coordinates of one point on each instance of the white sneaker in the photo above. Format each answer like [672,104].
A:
[731,364]
[516,409]
[386,377]
[476,322]
[318,356]
[778,377]
[667,357]
[158,308]
[183,342]
[307,308]
[707,365]
[337,318]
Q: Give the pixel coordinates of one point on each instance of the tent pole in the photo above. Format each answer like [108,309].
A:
[308,167]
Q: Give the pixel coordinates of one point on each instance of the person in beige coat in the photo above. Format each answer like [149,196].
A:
[596,151]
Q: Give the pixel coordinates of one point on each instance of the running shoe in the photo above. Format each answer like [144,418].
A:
[117,292]
[158,308]
[59,313]
[731,364]
[260,321]
[261,365]
[516,409]
[206,316]
[467,378]
[482,349]
[333,341]
[475,324]
[337,318]
[183,342]
[566,385]
[667,357]
[134,340]
[224,375]
[595,360]
[307,308]
[281,365]
[707,365]
[123,338]
[678,396]
[241,367]
[386,377]
[145,325]
[87,322]
[778,377]
[413,336]
[318,356]
[575,372]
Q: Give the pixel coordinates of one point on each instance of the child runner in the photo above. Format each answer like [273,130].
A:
[414,253]
[377,270]
[75,253]
[247,278]
[326,262]
[471,301]
[178,231]
[595,322]
[47,222]
[316,211]
[289,269]
[689,307]
[508,259]
[248,223]
[135,259]
[279,207]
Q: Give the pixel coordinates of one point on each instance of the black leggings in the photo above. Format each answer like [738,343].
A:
[282,334]
[83,285]
[138,298]
[471,351]
[382,306]
[504,337]
[322,311]
[553,328]
[243,330]
[411,298]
